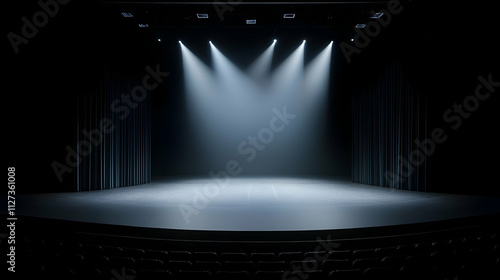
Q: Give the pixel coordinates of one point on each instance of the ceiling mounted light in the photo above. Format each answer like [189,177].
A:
[360,25]
[289,16]
[377,15]
[143,25]
[251,21]
[127,15]
[202,15]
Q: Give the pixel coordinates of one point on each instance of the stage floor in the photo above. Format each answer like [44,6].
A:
[254,204]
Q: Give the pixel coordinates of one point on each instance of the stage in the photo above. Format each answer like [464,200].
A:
[254,204]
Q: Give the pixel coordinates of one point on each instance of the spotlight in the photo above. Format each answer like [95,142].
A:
[180,42]
[202,15]
[251,21]
[210,42]
[274,41]
[352,39]
[159,40]
[377,15]
[303,41]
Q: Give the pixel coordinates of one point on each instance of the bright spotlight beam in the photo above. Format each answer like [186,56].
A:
[227,109]
[317,76]
[197,75]
[239,95]
[226,71]
[259,70]
[230,76]
[286,79]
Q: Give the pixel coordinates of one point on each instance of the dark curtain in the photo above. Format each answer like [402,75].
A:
[119,134]
[388,117]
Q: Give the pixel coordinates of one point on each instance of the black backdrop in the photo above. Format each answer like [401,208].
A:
[439,52]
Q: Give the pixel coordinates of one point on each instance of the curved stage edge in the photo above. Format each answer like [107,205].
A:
[255,209]
[256,228]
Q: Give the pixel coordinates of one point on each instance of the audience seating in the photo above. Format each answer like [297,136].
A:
[471,255]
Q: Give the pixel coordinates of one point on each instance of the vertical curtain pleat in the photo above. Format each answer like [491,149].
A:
[122,157]
[387,120]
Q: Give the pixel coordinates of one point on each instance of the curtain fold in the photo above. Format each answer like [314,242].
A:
[118,130]
[388,118]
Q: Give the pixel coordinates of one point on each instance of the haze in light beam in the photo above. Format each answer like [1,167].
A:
[287,78]
[260,69]
[198,77]
[239,96]
[228,106]
[314,99]
[317,76]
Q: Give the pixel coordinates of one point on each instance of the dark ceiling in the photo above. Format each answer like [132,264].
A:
[340,16]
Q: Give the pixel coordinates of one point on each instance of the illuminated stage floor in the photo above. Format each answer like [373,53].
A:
[255,204]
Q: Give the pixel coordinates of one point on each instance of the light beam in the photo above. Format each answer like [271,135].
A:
[260,69]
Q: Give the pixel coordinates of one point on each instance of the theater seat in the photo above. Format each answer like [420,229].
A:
[304,265]
[205,256]
[272,265]
[180,255]
[211,266]
[256,257]
[151,264]
[232,275]
[239,266]
[154,275]
[156,254]
[237,257]
[268,275]
[135,253]
[290,256]
[365,263]
[198,275]
[123,262]
[179,265]
[330,265]
[381,273]
[346,274]
[340,254]
[310,275]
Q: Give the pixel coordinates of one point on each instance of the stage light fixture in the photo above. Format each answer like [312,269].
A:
[274,41]
[202,15]
[143,25]
[360,25]
[377,15]
[289,16]
[303,41]
[127,15]
[251,21]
